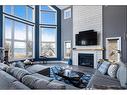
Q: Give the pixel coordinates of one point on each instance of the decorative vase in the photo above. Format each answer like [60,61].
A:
[69,61]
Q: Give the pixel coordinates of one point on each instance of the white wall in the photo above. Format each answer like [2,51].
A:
[87,18]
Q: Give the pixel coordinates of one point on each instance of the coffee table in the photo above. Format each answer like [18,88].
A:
[77,79]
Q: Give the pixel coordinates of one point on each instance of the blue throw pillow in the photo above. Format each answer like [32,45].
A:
[104,67]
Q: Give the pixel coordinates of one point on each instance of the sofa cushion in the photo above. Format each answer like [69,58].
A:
[67,86]
[96,86]
[36,68]
[6,80]
[104,80]
[55,85]
[112,70]
[41,84]
[17,72]
[34,82]
[18,85]
[3,66]
[29,81]
[42,76]
[99,74]
[104,67]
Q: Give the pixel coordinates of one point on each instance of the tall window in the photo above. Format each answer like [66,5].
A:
[18,31]
[48,31]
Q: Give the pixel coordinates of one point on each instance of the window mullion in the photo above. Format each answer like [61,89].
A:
[26,14]
[26,32]
[12,40]
[26,40]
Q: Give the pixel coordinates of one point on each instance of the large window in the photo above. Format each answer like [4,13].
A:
[18,31]
[20,11]
[48,31]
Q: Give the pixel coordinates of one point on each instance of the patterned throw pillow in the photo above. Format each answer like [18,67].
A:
[18,64]
[112,70]
[104,67]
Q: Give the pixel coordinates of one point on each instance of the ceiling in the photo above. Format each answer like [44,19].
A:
[62,6]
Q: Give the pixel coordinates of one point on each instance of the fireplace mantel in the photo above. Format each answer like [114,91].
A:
[88,49]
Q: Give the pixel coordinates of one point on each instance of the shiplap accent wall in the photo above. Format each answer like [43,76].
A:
[86,18]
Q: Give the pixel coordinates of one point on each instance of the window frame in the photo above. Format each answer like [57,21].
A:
[68,41]
[26,14]
[41,42]
[12,40]
[41,25]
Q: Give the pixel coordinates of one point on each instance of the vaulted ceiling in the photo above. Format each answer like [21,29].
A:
[62,6]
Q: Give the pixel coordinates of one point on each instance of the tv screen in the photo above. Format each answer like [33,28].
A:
[85,38]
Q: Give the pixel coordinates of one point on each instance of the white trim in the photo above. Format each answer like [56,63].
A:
[97,56]
[52,8]
[67,13]
[118,45]
[68,41]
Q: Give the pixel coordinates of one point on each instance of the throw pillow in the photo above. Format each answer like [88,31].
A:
[104,67]
[100,62]
[18,64]
[13,64]
[3,66]
[112,70]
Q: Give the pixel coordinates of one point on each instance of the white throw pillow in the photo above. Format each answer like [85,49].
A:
[104,67]
[112,70]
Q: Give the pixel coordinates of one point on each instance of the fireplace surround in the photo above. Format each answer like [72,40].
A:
[86,59]
[97,53]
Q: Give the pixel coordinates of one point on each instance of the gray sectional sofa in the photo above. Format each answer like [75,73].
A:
[32,78]
[9,82]
[104,81]
[19,78]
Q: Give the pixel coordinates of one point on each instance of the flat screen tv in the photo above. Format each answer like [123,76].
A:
[85,38]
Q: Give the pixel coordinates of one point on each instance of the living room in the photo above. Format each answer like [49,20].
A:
[63,47]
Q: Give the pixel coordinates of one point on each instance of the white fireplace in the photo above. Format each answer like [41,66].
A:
[96,52]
